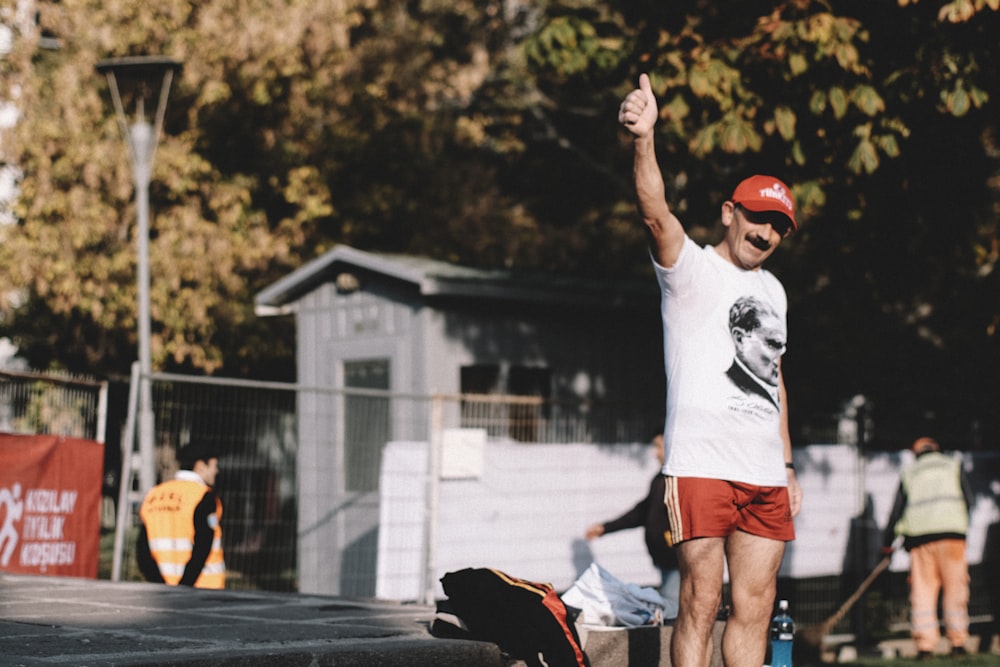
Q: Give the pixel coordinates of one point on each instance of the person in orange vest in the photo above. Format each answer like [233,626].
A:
[180,540]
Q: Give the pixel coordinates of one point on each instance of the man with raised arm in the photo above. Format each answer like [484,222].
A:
[731,489]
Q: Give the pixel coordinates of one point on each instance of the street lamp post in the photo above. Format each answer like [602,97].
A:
[142,78]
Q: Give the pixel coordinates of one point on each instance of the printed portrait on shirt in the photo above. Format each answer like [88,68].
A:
[759,340]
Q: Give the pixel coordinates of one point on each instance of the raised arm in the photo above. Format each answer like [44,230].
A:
[638,113]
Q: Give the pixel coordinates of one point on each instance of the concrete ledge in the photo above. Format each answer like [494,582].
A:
[636,647]
[67,621]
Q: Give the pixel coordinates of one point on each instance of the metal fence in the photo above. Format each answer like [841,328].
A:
[270,517]
[301,472]
[253,426]
[53,404]
[260,427]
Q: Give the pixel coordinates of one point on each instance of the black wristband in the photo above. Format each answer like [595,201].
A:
[790,466]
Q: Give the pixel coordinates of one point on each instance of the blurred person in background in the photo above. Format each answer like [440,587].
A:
[931,512]
[651,514]
[180,540]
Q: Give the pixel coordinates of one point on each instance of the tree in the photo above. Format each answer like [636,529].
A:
[70,260]
[885,119]
[333,125]
[483,133]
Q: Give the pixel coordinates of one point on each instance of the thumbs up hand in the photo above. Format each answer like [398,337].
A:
[638,112]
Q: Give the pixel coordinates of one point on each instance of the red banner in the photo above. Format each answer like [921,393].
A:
[50,498]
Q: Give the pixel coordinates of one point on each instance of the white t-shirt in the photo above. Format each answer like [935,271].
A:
[723,414]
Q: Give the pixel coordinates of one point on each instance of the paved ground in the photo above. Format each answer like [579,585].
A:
[77,622]
[47,621]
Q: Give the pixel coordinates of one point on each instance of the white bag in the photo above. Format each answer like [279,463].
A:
[606,600]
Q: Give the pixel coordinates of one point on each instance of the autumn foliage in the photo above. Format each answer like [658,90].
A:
[484,133]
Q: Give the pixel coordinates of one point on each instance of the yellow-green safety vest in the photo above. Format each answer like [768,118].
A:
[934,500]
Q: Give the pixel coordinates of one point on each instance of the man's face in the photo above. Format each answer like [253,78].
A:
[760,349]
[748,243]
[207,470]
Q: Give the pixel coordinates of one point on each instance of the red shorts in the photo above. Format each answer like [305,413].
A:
[699,507]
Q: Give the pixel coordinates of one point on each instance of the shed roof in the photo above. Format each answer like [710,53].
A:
[437,279]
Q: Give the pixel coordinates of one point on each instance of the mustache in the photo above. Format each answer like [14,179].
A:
[759,243]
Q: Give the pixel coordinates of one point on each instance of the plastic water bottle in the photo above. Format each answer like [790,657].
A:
[782,632]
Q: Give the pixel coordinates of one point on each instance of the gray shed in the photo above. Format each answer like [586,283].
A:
[418,327]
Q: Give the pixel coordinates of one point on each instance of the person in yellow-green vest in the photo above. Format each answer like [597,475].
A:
[931,512]
[180,540]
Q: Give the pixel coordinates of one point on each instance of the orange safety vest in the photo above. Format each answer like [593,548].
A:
[168,513]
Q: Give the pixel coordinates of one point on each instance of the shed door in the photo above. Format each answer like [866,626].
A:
[366,423]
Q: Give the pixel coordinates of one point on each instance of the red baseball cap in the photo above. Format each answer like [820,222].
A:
[765,193]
